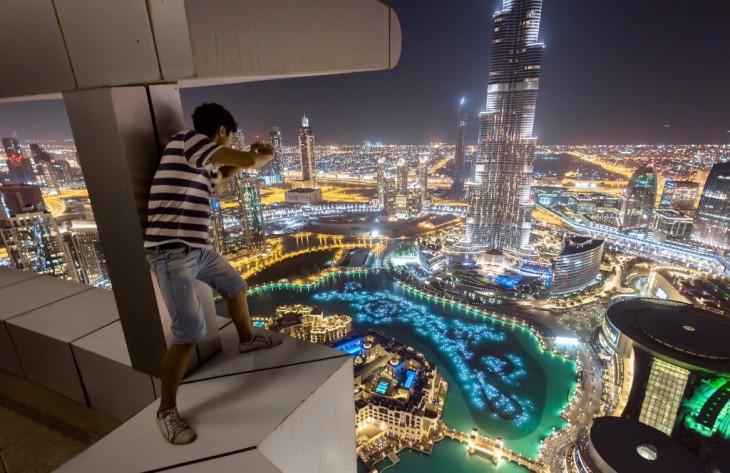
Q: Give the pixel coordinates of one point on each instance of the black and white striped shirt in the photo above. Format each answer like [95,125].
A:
[179,204]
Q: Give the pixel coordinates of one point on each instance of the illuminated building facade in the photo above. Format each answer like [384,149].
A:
[20,169]
[577,265]
[679,195]
[307,156]
[500,213]
[424,200]
[382,183]
[712,220]
[458,174]
[401,189]
[272,173]
[34,243]
[671,224]
[639,200]
[252,218]
[679,360]
[238,140]
[87,253]
[309,323]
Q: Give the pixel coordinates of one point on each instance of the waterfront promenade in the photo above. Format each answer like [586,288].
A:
[493,448]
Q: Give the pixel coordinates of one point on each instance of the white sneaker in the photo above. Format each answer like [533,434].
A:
[258,342]
[174,429]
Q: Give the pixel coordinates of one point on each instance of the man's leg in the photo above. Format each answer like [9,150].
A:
[238,310]
[173,369]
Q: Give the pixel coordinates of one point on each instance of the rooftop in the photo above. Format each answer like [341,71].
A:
[675,331]
[628,445]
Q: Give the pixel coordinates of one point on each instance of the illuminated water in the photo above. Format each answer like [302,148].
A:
[499,378]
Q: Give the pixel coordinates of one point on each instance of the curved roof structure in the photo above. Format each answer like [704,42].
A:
[676,332]
[627,445]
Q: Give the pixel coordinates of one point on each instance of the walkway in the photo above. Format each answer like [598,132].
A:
[493,448]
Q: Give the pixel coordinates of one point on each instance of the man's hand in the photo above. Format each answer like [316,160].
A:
[259,155]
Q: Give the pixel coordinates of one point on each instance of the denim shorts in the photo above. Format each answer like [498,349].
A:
[176,270]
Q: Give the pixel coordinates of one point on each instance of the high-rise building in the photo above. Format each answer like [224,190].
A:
[458,174]
[500,213]
[39,155]
[712,220]
[252,219]
[34,243]
[639,199]
[424,200]
[88,253]
[20,169]
[306,155]
[670,223]
[21,198]
[217,237]
[679,195]
[577,265]
[382,183]
[401,188]
[238,140]
[272,172]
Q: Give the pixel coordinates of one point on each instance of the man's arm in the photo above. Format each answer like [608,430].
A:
[241,159]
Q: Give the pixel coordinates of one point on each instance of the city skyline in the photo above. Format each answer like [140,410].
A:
[601,85]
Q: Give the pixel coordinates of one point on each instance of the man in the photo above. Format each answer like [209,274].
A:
[178,250]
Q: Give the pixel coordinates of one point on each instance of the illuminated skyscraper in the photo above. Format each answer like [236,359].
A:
[34,243]
[20,168]
[306,155]
[252,219]
[458,174]
[382,183]
[639,200]
[271,173]
[423,182]
[679,195]
[500,213]
[401,189]
[238,140]
[88,253]
[712,220]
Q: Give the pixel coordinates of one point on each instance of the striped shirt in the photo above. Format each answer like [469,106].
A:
[179,205]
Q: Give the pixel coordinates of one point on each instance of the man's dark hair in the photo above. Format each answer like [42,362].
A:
[208,117]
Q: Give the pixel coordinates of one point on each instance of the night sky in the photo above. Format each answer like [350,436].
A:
[614,72]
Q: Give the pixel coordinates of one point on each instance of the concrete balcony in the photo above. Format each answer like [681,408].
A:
[281,410]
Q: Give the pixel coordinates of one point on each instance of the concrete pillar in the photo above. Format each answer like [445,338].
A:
[119,132]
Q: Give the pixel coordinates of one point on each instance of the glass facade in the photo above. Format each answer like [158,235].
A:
[639,201]
[664,392]
[500,213]
[712,220]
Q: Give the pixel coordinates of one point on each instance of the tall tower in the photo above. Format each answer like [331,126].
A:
[401,188]
[19,167]
[457,187]
[712,220]
[252,219]
[306,155]
[500,213]
[382,183]
[272,171]
[639,200]
[423,182]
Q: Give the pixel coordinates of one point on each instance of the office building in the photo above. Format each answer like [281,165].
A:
[500,213]
[424,199]
[639,199]
[34,243]
[87,253]
[381,179]
[252,219]
[577,265]
[21,198]
[671,224]
[20,169]
[679,195]
[307,155]
[272,172]
[712,220]
[238,140]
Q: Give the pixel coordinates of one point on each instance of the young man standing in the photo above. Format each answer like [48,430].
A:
[178,249]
